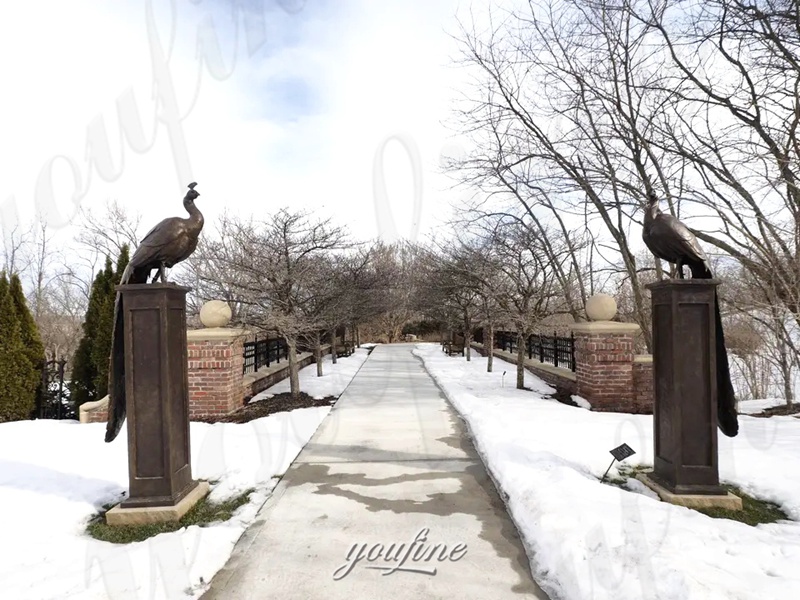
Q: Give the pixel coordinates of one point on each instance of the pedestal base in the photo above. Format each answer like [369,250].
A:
[157,514]
[727,501]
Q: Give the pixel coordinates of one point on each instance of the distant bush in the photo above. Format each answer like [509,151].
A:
[422,327]
[21,353]
[89,379]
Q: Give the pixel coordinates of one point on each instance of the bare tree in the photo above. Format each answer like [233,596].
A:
[16,242]
[208,274]
[358,278]
[582,107]
[329,297]
[463,279]
[561,127]
[528,289]
[393,268]
[106,232]
[762,334]
[487,279]
[734,120]
[272,266]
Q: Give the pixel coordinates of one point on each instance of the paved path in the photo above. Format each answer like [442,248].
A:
[391,460]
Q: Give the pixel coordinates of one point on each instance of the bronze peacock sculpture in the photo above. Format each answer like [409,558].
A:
[671,240]
[168,243]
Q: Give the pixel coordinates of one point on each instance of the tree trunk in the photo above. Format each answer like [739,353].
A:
[318,353]
[358,336]
[332,335]
[294,376]
[786,372]
[488,341]
[467,336]
[520,361]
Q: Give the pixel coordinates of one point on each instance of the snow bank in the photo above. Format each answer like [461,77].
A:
[587,540]
[55,475]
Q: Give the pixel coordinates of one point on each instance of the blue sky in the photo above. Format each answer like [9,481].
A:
[133,99]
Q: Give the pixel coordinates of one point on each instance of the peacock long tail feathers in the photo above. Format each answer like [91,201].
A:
[727,419]
[117,403]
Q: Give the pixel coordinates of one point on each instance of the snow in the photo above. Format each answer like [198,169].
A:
[55,475]
[752,407]
[588,540]
[335,377]
[581,402]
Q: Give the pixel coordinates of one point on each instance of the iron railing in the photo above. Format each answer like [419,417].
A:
[262,353]
[52,397]
[556,350]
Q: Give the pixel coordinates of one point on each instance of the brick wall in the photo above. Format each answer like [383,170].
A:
[555,380]
[643,385]
[604,368]
[215,374]
[217,385]
[606,375]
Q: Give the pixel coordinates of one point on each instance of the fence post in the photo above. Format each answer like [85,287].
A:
[555,348]
[572,349]
[61,365]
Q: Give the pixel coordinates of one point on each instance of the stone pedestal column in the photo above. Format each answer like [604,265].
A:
[684,368]
[157,404]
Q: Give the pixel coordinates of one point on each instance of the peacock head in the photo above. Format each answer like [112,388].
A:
[192,193]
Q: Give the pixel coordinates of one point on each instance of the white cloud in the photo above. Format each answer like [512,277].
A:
[368,71]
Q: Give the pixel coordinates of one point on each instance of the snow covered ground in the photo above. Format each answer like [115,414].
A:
[55,475]
[335,377]
[752,407]
[593,541]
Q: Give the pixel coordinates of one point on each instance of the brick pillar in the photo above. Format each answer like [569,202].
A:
[643,384]
[604,365]
[215,370]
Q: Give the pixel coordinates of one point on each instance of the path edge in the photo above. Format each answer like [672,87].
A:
[548,589]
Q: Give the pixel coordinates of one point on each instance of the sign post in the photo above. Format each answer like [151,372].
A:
[619,453]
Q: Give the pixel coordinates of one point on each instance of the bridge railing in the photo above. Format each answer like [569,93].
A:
[556,350]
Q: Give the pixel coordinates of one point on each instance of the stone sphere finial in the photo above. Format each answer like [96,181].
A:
[601,307]
[215,313]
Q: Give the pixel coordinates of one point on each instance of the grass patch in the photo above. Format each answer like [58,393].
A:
[754,511]
[203,513]
[625,472]
[782,410]
[268,406]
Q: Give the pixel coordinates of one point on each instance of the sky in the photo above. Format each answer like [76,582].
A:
[265,103]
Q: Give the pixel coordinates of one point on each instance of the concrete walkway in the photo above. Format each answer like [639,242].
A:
[391,465]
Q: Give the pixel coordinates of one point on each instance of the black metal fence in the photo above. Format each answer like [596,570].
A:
[262,353]
[556,350]
[53,400]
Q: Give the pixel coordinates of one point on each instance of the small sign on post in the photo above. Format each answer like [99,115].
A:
[619,453]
